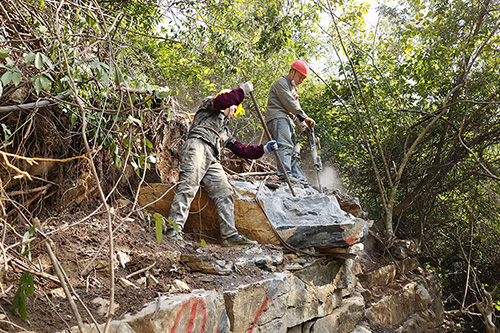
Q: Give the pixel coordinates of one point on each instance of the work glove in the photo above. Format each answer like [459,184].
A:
[270,146]
[247,87]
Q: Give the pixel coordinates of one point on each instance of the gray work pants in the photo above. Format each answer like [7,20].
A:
[200,167]
[283,132]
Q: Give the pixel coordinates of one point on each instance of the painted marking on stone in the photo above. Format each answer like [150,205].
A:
[351,240]
[193,302]
[261,309]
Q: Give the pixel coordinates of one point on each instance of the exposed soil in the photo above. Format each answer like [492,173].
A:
[74,246]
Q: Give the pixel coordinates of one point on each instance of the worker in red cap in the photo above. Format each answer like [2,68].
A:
[200,165]
[283,113]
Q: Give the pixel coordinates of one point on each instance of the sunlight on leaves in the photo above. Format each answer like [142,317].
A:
[26,288]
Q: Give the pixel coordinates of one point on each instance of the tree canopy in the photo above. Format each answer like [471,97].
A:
[408,111]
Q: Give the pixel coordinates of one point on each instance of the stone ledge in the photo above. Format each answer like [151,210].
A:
[272,305]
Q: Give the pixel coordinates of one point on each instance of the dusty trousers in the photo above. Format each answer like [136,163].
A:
[283,132]
[199,166]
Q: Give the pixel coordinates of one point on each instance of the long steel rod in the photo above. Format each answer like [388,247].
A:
[269,137]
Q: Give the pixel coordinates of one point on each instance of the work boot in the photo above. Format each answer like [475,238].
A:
[238,240]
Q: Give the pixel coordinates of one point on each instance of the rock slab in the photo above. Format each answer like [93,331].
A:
[310,219]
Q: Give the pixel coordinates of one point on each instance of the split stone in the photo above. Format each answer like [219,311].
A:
[245,306]
[378,277]
[207,264]
[418,299]
[200,310]
[311,219]
[344,318]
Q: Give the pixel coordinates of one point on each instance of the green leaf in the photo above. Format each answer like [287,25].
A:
[47,61]
[45,82]
[149,144]
[16,78]
[133,120]
[26,288]
[28,58]
[105,80]
[158,226]
[94,64]
[162,93]
[203,242]
[118,75]
[26,246]
[38,61]
[74,118]
[175,225]
[6,78]
[4,53]
[36,84]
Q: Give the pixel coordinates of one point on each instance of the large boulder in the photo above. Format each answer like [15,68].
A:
[308,219]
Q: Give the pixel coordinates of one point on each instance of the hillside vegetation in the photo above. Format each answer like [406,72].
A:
[407,112]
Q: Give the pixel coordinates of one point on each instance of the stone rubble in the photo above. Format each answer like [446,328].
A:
[322,295]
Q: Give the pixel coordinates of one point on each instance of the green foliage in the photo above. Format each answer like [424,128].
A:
[159,225]
[11,75]
[26,243]
[26,288]
[409,72]
[6,135]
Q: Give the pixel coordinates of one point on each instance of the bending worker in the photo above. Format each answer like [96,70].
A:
[200,163]
[283,111]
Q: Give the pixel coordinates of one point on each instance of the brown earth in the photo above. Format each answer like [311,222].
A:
[74,246]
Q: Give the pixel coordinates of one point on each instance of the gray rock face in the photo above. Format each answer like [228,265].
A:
[321,297]
[310,219]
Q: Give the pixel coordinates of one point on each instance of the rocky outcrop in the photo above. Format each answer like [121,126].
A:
[320,295]
[326,292]
[310,219]
[416,307]
[313,297]
[402,295]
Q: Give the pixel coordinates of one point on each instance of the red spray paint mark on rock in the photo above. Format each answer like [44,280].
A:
[261,309]
[351,241]
[193,302]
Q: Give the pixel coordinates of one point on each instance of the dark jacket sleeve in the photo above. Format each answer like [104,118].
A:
[246,151]
[234,97]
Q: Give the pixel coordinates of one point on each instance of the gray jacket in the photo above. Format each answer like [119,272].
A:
[210,125]
[281,102]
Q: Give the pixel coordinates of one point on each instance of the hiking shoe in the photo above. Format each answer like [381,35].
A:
[238,240]
[177,235]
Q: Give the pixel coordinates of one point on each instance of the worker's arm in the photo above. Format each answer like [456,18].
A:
[234,97]
[251,151]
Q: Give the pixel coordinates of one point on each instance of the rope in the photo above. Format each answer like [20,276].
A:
[202,208]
